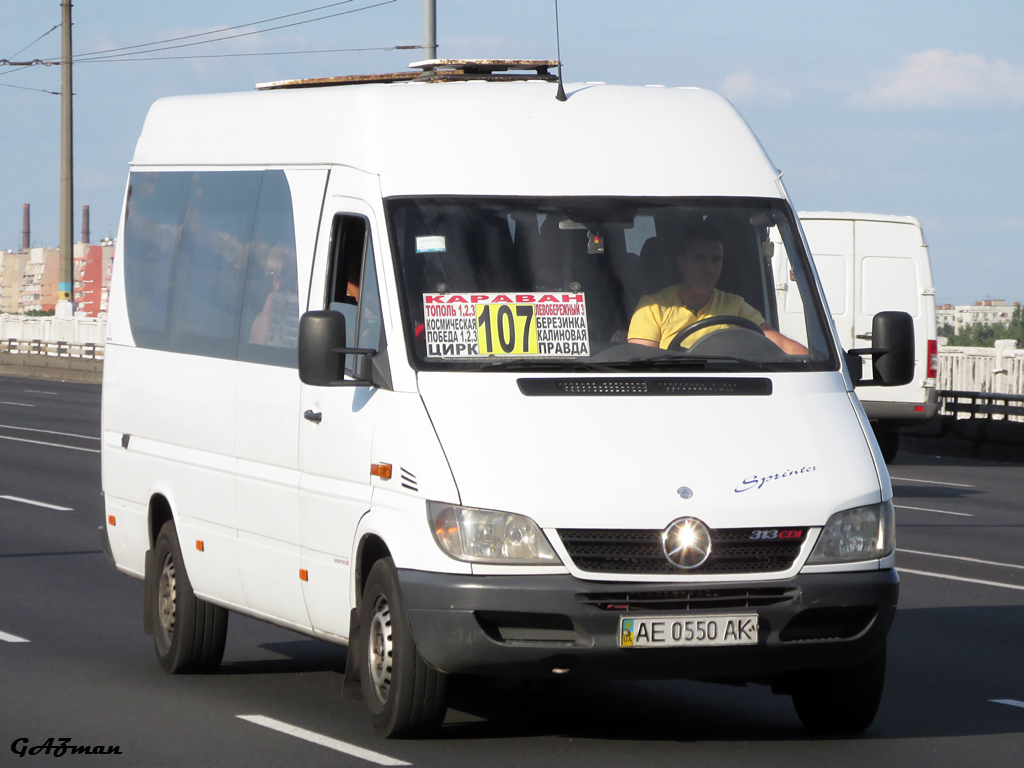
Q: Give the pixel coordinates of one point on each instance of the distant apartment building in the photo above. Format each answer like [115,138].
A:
[12,271]
[987,312]
[40,280]
[92,276]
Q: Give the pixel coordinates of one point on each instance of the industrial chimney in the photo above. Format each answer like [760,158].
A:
[26,243]
[85,223]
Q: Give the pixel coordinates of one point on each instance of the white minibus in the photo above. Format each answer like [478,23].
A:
[476,380]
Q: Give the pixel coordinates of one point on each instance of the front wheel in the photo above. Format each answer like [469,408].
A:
[189,634]
[405,696]
[841,700]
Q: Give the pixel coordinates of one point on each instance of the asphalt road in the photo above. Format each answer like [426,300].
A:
[87,672]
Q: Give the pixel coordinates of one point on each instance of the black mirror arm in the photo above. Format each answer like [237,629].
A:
[357,351]
[861,382]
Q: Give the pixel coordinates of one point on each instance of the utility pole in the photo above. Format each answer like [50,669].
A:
[429,29]
[64,306]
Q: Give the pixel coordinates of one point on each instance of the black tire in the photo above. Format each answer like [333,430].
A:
[188,633]
[888,442]
[841,700]
[405,697]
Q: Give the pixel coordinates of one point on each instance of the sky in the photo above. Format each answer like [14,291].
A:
[894,107]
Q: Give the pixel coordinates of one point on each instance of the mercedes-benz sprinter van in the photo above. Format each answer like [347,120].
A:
[474,380]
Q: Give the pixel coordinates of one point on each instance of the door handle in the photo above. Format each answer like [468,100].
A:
[864,336]
[315,416]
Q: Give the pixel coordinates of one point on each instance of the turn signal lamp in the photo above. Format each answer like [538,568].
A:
[383,471]
[933,359]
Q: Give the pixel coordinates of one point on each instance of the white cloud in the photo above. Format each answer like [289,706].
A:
[743,87]
[940,78]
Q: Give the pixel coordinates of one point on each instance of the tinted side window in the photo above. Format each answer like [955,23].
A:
[210,265]
[211,260]
[270,307]
[156,210]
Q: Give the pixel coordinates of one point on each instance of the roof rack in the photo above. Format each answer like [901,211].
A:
[437,71]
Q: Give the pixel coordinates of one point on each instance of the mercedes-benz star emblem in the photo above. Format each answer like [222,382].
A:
[686,542]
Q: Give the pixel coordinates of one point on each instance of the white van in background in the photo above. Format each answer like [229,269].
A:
[868,263]
[367,377]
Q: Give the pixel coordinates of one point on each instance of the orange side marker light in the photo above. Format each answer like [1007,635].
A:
[200,546]
[303,574]
[111,519]
[383,471]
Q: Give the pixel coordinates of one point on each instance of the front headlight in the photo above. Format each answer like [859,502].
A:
[863,533]
[487,536]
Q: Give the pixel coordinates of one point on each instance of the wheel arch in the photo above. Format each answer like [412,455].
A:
[159,513]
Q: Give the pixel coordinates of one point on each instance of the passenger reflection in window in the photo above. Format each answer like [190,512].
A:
[273,326]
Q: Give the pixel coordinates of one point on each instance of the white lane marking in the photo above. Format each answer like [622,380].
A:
[963,578]
[23,405]
[940,511]
[930,482]
[12,638]
[960,557]
[53,445]
[1008,702]
[39,392]
[37,503]
[48,432]
[324,741]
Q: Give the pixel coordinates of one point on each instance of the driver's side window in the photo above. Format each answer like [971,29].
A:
[352,287]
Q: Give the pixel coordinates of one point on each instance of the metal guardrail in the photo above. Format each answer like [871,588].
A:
[83,350]
[981,405]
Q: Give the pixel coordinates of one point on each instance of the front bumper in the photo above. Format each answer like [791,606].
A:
[529,626]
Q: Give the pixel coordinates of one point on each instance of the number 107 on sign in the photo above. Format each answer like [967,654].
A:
[506,329]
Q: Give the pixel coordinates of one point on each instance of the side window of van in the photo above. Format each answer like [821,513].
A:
[210,265]
[153,222]
[352,287]
[211,261]
[269,331]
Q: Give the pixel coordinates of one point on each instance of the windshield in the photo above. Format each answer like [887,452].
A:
[557,283]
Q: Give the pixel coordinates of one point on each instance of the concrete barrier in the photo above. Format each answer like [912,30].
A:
[52,367]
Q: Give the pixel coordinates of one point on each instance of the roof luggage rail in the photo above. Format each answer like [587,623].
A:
[437,71]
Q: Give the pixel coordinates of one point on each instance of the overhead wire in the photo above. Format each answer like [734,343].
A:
[235,55]
[216,31]
[127,56]
[25,88]
[55,26]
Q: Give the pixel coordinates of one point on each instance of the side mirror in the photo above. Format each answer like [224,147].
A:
[892,357]
[321,332]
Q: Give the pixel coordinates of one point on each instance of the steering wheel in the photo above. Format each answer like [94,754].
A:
[677,342]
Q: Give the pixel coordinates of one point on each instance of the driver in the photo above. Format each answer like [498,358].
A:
[660,316]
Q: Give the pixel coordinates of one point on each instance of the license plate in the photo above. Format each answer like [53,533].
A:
[676,631]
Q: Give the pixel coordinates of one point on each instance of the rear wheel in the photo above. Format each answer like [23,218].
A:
[841,700]
[406,698]
[189,634]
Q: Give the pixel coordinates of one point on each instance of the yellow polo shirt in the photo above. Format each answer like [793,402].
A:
[660,316]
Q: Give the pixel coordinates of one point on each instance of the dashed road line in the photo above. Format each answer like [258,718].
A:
[48,432]
[1008,702]
[940,511]
[931,482]
[324,741]
[23,405]
[52,445]
[12,638]
[960,557]
[963,578]
[37,503]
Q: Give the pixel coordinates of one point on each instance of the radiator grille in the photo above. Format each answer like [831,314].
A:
[599,550]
